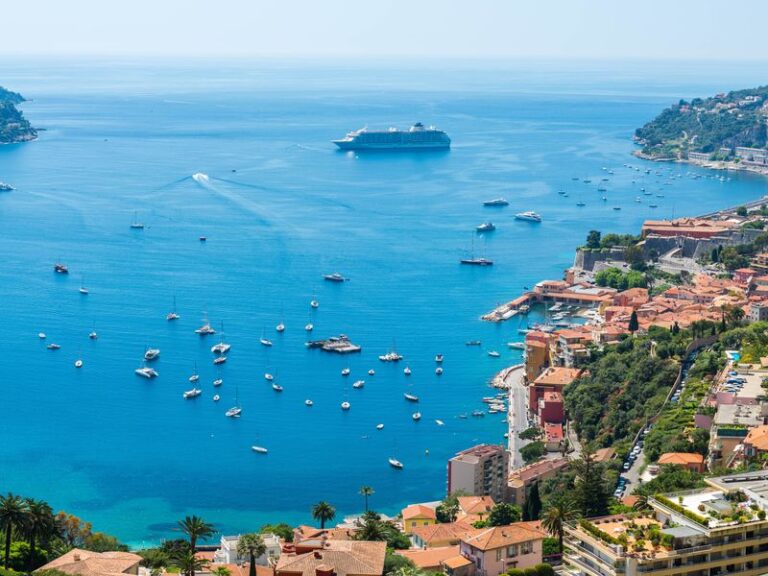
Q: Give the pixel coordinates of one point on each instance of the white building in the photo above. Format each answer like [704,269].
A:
[227,553]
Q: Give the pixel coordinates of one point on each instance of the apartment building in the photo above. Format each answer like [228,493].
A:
[480,471]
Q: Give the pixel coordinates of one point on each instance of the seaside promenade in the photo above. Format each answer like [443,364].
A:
[517,413]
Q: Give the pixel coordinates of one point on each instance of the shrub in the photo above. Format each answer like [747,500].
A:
[544,570]
[515,572]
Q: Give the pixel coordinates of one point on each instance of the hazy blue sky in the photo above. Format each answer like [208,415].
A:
[680,29]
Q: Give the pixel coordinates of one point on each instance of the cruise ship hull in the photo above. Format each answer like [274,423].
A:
[350,145]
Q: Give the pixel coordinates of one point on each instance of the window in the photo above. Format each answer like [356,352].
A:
[526,547]
[512,551]
[498,554]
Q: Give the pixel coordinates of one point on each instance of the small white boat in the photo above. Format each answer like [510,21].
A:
[259,449]
[265,341]
[407,371]
[439,422]
[195,376]
[345,372]
[218,382]
[358,384]
[41,335]
[78,363]
[205,330]
[220,348]
[529,215]
[93,335]
[151,354]
[411,397]
[53,346]
[371,372]
[268,377]
[309,327]
[146,372]
[439,358]
[220,360]
[277,388]
[83,290]
[308,402]
[390,357]
[395,463]
[345,405]
[216,398]
[280,327]
[439,370]
[493,354]
[314,304]
[416,416]
[379,426]
[516,345]
[233,412]
[194,393]
[172,316]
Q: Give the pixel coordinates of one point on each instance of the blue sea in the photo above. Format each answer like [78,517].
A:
[280,208]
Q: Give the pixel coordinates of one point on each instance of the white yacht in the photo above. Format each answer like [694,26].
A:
[218,382]
[276,387]
[345,405]
[151,354]
[205,330]
[194,393]
[219,360]
[396,463]
[411,397]
[390,357]
[93,335]
[308,402]
[379,426]
[371,372]
[345,371]
[439,422]
[172,315]
[233,412]
[358,384]
[216,398]
[220,348]
[416,416]
[259,449]
[146,372]
[195,376]
[265,341]
[53,346]
[493,354]
[42,335]
[529,215]
[268,377]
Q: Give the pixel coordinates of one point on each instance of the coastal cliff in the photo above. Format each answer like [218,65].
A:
[13,126]
[707,129]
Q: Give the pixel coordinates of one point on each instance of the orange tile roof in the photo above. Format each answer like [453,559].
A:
[758,438]
[353,557]
[239,569]
[429,557]
[475,504]
[448,532]
[503,536]
[457,562]
[87,563]
[681,458]
[535,470]
[557,376]
[419,511]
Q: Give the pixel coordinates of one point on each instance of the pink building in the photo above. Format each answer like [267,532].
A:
[493,551]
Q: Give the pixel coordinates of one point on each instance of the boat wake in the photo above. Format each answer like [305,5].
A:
[202,178]
[246,203]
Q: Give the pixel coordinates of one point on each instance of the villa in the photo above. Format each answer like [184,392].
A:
[336,558]
[495,550]
[86,563]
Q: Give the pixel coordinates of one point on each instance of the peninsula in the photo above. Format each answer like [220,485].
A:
[14,127]
[725,131]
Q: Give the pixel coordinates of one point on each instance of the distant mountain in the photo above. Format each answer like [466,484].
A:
[13,126]
[708,125]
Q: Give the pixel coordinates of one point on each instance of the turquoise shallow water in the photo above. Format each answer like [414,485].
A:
[281,208]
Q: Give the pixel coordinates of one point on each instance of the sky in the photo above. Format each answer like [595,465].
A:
[354,29]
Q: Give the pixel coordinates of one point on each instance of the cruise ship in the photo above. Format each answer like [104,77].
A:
[417,137]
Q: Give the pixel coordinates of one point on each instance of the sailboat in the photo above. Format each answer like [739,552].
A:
[206,328]
[309,326]
[195,376]
[136,225]
[83,289]
[392,355]
[93,335]
[314,303]
[264,340]
[236,410]
[281,325]
[172,315]
[473,261]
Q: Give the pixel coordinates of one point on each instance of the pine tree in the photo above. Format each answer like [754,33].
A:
[532,508]
[633,323]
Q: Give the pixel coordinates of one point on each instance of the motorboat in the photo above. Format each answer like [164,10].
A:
[529,215]
[146,372]
[78,363]
[379,426]
[390,357]
[439,422]
[221,348]
[83,290]
[268,377]
[265,341]
[218,382]
[395,464]
[203,238]
[486,227]
[371,372]
[439,370]
[358,384]
[335,277]
[439,358]
[93,335]
[60,269]
[280,327]
[493,354]
[478,413]
[516,345]
[151,354]
[416,416]
[496,202]
[411,397]
[308,402]
[41,335]
[233,412]
[216,398]
[617,207]
[309,327]
[345,405]
[276,387]
[194,393]
[220,360]
[194,378]
[314,303]
[472,343]
[259,449]
[345,371]
[407,371]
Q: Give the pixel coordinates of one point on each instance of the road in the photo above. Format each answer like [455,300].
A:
[517,415]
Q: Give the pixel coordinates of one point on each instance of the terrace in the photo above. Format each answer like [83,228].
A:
[713,507]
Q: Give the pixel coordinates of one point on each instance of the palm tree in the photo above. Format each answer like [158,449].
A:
[366,491]
[13,515]
[251,545]
[323,512]
[641,504]
[562,510]
[371,528]
[194,527]
[188,562]
[40,526]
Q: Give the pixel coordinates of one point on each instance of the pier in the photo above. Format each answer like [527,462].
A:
[338,344]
